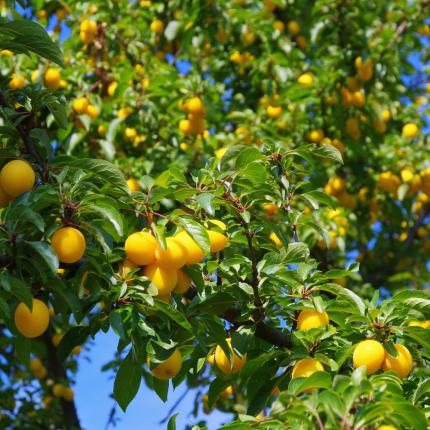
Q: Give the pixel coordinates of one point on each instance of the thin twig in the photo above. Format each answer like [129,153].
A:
[173,408]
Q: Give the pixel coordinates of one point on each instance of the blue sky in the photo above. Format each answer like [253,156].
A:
[93,389]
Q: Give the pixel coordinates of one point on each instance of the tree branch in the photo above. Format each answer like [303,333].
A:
[57,371]
[24,129]
[173,408]
[264,331]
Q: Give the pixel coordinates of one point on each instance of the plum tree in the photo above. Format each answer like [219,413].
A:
[238,189]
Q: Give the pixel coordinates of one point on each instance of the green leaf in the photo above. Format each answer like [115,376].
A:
[316,380]
[246,156]
[58,109]
[23,215]
[21,291]
[297,252]
[23,349]
[217,386]
[345,294]
[172,30]
[255,172]
[171,425]
[127,381]
[215,303]
[204,200]
[75,336]
[24,36]
[197,232]
[110,214]
[161,388]
[316,197]
[102,169]
[47,253]
[410,414]
[422,390]
[329,151]
[173,314]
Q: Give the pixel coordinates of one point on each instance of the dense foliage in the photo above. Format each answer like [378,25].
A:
[239,189]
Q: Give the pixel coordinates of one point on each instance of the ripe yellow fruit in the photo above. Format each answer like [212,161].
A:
[69,244]
[68,394]
[89,27]
[228,392]
[219,153]
[301,42]
[35,364]
[101,130]
[5,198]
[410,130]
[275,239]
[386,115]
[168,368]
[58,390]
[166,299]
[407,174]
[369,353]
[130,133]
[197,123]
[306,80]
[270,209]
[92,111]
[274,111]
[218,240]
[174,256]
[223,362]
[133,185]
[47,400]
[52,78]
[279,25]
[402,365]
[306,367]
[364,70]
[80,105]
[316,136]
[40,373]
[17,177]
[34,76]
[293,27]
[389,182]
[185,126]
[386,427]
[140,248]
[56,338]
[6,53]
[124,112]
[196,106]
[422,324]
[358,98]
[157,26]
[236,57]
[309,318]
[32,323]
[218,223]
[125,268]
[183,284]
[76,350]
[164,279]
[17,82]
[195,253]
[112,88]
[353,128]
